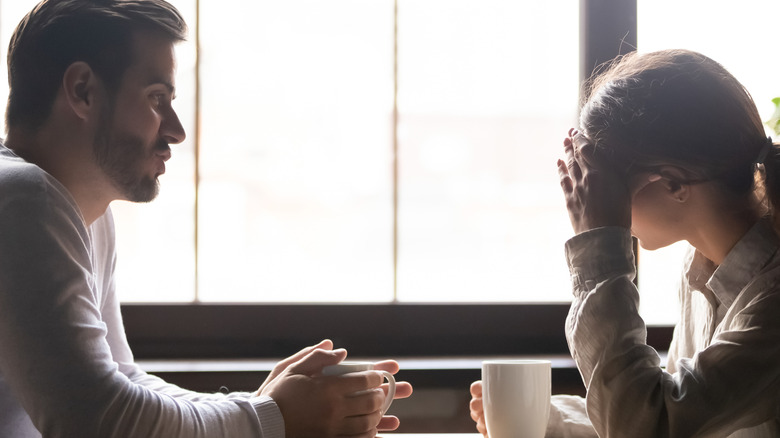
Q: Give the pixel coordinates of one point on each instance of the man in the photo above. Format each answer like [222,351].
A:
[90,121]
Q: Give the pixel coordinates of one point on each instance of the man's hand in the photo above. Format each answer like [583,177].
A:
[330,406]
[282,366]
[475,406]
[402,390]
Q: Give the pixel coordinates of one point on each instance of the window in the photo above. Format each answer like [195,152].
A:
[296,197]
[296,151]
[487,91]
[386,151]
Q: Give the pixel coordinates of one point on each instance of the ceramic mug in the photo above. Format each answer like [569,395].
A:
[516,397]
[354,367]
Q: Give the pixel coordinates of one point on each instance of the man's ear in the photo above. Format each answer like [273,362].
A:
[81,86]
[673,180]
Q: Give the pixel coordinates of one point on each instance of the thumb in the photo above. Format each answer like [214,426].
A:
[314,362]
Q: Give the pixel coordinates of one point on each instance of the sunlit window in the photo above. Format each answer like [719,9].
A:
[297,181]
[296,153]
[487,91]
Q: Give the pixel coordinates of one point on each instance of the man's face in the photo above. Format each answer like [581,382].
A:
[131,145]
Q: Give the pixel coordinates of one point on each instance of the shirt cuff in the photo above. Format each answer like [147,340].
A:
[598,254]
[271,420]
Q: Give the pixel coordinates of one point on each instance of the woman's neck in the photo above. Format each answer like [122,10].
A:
[720,222]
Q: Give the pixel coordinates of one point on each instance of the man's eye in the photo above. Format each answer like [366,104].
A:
[159,99]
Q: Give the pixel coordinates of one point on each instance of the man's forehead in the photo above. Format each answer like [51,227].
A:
[154,59]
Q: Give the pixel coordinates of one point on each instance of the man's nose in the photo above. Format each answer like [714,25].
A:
[171,129]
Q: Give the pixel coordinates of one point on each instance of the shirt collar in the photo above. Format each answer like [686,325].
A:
[751,253]
[698,270]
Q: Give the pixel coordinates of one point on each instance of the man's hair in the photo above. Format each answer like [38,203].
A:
[57,33]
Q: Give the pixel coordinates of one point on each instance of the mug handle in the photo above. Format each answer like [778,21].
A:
[390,391]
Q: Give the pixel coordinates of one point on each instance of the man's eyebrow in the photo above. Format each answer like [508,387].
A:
[166,84]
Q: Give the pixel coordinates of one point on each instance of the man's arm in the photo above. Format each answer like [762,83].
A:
[54,352]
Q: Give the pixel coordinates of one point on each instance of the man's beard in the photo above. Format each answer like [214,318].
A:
[120,156]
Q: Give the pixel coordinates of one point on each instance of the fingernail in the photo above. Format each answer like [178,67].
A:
[654,177]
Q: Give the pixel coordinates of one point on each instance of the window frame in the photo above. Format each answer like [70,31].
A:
[252,331]
[608,28]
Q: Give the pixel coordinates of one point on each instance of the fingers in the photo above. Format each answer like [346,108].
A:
[358,381]
[482,428]
[360,425]
[402,389]
[325,344]
[564,167]
[390,366]
[388,422]
[572,164]
[281,366]
[366,417]
[365,402]
[563,175]
[313,362]
[476,389]
[476,408]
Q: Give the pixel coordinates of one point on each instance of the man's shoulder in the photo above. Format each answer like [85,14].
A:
[17,176]
[29,196]
[28,183]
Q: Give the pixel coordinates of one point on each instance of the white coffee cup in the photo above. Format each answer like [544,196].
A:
[353,367]
[516,397]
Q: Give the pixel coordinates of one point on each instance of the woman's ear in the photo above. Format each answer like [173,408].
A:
[80,85]
[673,180]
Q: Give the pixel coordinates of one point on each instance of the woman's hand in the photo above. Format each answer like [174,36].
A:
[477,411]
[597,194]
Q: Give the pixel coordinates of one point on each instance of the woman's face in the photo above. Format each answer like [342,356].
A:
[655,214]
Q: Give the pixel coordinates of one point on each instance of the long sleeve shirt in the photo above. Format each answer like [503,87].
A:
[723,373]
[66,369]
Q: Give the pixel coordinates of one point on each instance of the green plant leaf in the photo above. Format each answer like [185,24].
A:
[774,121]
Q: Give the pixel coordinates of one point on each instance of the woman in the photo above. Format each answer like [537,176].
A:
[672,149]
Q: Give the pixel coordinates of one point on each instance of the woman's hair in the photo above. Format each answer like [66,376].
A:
[57,33]
[681,108]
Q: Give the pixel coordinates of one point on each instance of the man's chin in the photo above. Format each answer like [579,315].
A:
[143,192]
